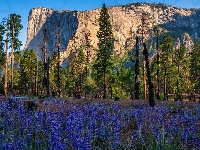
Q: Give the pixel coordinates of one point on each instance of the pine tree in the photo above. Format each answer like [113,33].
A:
[28,69]
[16,71]
[166,48]
[81,62]
[41,71]
[77,64]
[87,57]
[55,85]
[53,72]
[2,54]
[5,24]
[104,60]
[14,29]
[195,66]
[117,79]
[181,61]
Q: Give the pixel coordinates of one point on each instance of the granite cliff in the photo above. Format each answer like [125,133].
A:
[182,24]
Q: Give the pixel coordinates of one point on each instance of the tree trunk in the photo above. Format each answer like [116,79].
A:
[48,85]
[80,86]
[111,93]
[151,92]
[6,65]
[36,78]
[158,66]
[104,84]
[12,59]
[59,90]
[36,73]
[27,85]
[144,72]
[177,86]
[165,86]
[137,70]
[86,75]
[144,80]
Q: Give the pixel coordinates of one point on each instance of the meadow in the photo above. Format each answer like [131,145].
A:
[99,124]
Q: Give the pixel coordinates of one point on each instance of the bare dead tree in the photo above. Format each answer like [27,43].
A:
[137,70]
[143,29]
[150,88]
[46,62]
[58,59]
[88,55]
[158,66]
[36,73]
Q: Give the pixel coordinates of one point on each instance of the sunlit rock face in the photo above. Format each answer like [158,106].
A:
[181,24]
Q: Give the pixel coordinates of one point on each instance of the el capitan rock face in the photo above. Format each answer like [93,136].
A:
[182,23]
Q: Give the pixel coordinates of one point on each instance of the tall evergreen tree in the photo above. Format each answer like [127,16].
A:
[167,45]
[14,29]
[5,24]
[195,66]
[16,71]
[2,53]
[41,71]
[117,79]
[87,57]
[181,61]
[104,60]
[55,85]
[77,64]
[88,52]
[28,69]
[80,65]
[53,72]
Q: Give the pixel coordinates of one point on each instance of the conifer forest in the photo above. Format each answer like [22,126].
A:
[149,98]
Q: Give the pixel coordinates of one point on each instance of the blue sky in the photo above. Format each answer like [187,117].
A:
[22,7]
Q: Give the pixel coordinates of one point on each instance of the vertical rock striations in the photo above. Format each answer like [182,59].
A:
[179,22]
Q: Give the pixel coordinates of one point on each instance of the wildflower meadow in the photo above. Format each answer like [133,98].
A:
[63,125]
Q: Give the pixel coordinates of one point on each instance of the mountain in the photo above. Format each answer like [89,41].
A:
[182,24]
